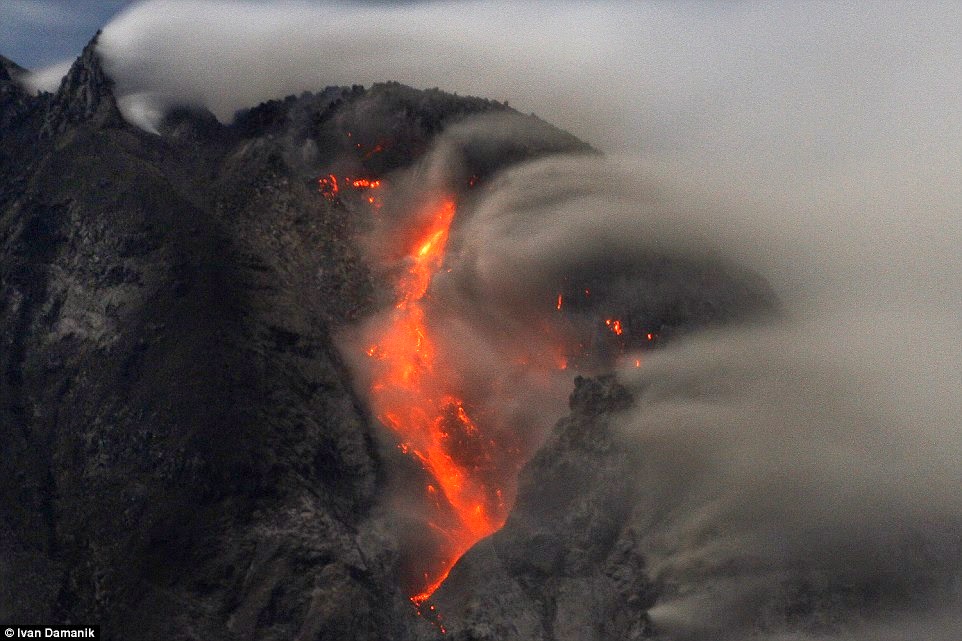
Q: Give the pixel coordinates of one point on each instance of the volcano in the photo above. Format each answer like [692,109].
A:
[184,449]
[237,399]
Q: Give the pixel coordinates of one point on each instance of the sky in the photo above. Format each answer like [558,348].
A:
[39,33]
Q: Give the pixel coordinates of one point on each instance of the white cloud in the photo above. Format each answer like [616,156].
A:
[48,78]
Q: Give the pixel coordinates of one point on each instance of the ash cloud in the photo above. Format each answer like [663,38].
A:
[805,455]
[817,146]
[800,480]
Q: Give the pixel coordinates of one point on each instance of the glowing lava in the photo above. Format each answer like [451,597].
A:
[412,393]
[615,326]
[330,188]
[417,391]
[365,183]
[327,185]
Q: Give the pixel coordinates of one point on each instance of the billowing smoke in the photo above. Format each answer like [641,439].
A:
[796,478]
[801,468]
[798,451]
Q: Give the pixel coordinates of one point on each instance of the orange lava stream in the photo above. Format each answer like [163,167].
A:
[411,394]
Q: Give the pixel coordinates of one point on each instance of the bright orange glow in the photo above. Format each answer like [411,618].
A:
[651,336]
[330,187]
[637,362]
[559,301]
[615,326]
[327,185]
[412,394]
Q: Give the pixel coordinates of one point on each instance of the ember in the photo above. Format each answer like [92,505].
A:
[330,187]
[327,185]
[365,183]
[615,326]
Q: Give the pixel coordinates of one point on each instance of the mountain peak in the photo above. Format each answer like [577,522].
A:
[85,94]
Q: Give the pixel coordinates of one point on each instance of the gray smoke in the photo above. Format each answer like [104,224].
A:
[794,464]
[805,463]
[810,454]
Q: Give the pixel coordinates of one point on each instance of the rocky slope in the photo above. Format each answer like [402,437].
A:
[567,565]
[150,354]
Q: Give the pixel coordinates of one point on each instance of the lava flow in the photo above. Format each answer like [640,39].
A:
[416,391]
[412,393]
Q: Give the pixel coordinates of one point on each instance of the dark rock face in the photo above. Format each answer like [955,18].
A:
[10,68]
[566,565]
[14,101]
[85,96]
[10,76]
[181,454]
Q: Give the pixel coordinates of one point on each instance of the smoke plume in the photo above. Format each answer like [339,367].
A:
[808,154]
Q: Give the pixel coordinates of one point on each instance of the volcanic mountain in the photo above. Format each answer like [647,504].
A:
[184,451]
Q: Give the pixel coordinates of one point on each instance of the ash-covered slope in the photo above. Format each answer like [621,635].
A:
[181,452]
[567,566]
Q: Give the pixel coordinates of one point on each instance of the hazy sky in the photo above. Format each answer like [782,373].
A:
[37,33]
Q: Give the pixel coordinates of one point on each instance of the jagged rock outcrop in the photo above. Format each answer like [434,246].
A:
[85,96]
[10,68]
[567,565]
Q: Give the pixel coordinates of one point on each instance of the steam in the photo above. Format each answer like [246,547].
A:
[48,78]
[819,146]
